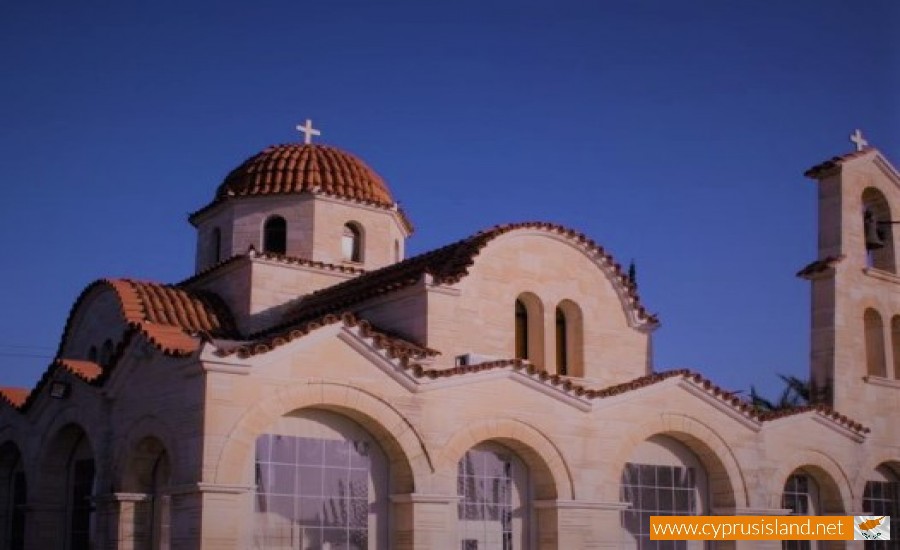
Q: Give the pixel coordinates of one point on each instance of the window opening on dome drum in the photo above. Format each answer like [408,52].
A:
[351,242]
[275,235]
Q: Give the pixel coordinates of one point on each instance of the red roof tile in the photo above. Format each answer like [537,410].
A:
[819,266]
[296,168]
[828,167]
[86,370]
[15,397]
[447,265]
[395,346]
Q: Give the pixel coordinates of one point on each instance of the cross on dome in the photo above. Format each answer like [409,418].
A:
[308,131]
[856,137]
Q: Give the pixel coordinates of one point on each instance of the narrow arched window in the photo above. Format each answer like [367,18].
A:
[351,242]
[895,344]
[521,330]
[92,354]
[275,235]
[106,353]
[397,255]
[878,232]
[216,245]
[569,339]
[874,332]
[562,345]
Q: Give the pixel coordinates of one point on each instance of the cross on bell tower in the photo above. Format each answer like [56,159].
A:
[856,137]
[308,131]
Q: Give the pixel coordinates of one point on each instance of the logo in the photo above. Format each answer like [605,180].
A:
[871,528]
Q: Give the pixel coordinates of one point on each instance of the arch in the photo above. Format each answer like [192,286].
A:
[727,486]
[549,470]
[875,352]
[65,480]
[569,339]
[881,493]
[215,245]
[835,493]
[881,461]
[274,237]
[146,428]
[352,242]
[529,328]
[410,461]
[148,472]
[895,344]
[876,210]
[13,497]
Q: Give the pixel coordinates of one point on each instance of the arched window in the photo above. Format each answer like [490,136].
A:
[106,353]
[878,235]
[160,513]
[895,344]
[215,245]
[663,478]
[12,505]
[492,483]
[569,339]
[528,328]
[521,330]
[882,498]
[351,242]
[80,488]
[321,482]
[875,353]
[92,354]
[275,235]
[801,497]
[397,255]
[562,345]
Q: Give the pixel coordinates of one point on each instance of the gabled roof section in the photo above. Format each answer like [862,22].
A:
[811,270]
[394,346]
[167,315]
[273,257]
[448,265]
[14,397]
[836,164]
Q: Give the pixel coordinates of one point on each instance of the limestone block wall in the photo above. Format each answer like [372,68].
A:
[575,450]
[98,318]
[483,317]
[383,235]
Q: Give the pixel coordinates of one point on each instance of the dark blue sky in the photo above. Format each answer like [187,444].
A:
[673,133]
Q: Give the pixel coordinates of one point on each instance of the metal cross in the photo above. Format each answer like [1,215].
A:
[857,138]
[308,131]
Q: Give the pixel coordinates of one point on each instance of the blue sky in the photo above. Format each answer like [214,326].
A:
[673,133]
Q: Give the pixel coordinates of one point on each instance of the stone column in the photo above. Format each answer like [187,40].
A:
[423,522]
[580,524]
[120,521]
[210,516]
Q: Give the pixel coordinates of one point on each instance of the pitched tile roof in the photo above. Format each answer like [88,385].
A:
[86,370]
[828,167]
[819,266]
[296,168]
[14,397]
[446,265]
[395,346]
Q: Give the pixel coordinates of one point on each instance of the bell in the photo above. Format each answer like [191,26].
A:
[874,239]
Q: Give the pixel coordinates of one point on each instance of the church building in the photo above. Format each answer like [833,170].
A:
[310,386]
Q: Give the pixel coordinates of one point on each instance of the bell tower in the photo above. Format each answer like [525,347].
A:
[855,341]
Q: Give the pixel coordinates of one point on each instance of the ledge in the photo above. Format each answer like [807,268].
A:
[881,274]
[882,381]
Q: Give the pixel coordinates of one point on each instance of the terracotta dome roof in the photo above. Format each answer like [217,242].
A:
[300,168]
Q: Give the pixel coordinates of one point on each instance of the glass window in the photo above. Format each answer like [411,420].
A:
[492,506]
[799,496]
[882,498]
[655,490]
[312,493]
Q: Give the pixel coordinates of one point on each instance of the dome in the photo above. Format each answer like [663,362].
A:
[305,168]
